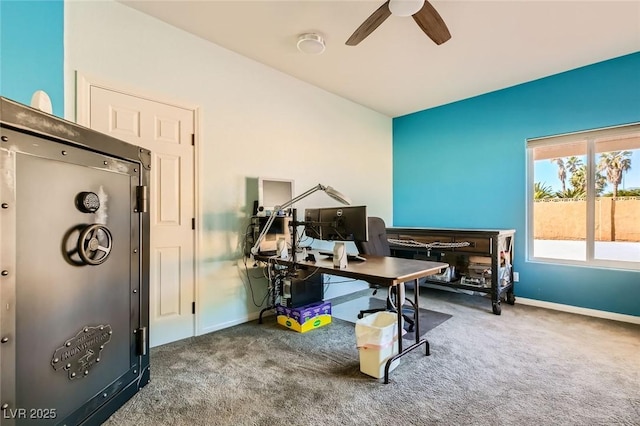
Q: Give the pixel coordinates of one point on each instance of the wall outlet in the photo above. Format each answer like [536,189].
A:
[516,277]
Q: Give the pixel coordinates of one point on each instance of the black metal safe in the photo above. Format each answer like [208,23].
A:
[74,262]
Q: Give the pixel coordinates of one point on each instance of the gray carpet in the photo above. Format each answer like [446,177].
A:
[529,366]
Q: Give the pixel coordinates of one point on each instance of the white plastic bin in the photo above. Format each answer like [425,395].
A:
[377,341]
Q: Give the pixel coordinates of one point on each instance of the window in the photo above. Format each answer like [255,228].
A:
[584,198]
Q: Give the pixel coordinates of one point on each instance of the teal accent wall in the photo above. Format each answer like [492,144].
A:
[32,50]
[463,165]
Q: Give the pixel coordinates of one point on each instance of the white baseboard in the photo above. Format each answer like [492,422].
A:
[222,326]
[577,310]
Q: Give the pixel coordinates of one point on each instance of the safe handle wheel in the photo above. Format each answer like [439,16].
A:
[94,244]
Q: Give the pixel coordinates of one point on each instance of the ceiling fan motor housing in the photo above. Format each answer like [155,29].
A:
[405,7]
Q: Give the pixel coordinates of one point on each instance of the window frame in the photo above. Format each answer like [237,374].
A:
[591,136]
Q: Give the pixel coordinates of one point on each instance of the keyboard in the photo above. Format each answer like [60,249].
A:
[350,256]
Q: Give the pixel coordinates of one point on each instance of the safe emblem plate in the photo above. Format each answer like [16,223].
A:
[80,353]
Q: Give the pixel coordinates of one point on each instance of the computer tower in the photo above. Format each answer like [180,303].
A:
[304,288]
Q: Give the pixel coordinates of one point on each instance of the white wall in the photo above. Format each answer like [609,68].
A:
[254,121]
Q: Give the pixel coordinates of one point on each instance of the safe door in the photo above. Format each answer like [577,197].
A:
[73,323]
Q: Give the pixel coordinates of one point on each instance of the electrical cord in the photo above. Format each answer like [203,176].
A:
[249,284]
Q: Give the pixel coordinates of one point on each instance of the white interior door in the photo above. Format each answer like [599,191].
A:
[168,132]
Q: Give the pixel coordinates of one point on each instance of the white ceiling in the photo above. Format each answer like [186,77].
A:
[398,70]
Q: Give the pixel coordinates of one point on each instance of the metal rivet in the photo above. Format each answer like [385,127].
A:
[67,366]
[64,152]
[73,374]
[56,360]
[4,139]
[104,395]
[135,290]
[101,327]
[105,163]
[4,340]
[5,405]
[135,250]
[110,332]
[5,205]
[97,359]
[86,372]
[135,210]
[135,331]
[4,273]
[101,346]
[86,329]
[135,170]
[67,344]
[135,371]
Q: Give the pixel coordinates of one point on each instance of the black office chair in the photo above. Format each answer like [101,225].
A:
[379,246]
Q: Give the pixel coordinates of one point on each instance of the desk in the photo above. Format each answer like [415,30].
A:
[381,270]
[492,247]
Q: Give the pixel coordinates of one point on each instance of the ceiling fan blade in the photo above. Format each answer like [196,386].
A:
[432,24]
[370,24]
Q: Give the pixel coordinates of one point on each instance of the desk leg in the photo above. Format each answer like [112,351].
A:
[416,318]
[399,304]
[401,352]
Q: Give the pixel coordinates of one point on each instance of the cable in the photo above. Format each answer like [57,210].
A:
[250,285]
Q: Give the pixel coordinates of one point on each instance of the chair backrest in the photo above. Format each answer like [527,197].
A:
[377,244]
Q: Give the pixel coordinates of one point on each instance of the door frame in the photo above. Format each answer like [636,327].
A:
[84,83]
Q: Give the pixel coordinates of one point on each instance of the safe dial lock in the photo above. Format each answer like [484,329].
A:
[88,202]
[94,244]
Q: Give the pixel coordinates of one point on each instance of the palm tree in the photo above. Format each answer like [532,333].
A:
[562,172]
[573,163]
[577,169]
[615,163]
[542,191]
[578,180]
[578,177]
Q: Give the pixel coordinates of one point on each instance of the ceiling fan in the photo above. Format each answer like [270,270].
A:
[422,12]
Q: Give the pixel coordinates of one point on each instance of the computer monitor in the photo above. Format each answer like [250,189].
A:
[312,227]
[273,192]
[337,223]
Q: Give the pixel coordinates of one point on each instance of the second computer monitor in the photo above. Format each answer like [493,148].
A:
[342,223]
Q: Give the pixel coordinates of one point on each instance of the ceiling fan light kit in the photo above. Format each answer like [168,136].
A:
[311,43]
[405,7]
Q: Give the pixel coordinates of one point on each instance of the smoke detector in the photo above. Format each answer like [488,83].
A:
[311,43]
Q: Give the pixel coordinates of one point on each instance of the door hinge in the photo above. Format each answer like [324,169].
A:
[142,199]
[193,307]
[193,223]
[193,139]
[141,341]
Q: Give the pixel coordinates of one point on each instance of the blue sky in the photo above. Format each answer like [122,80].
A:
[547,172]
